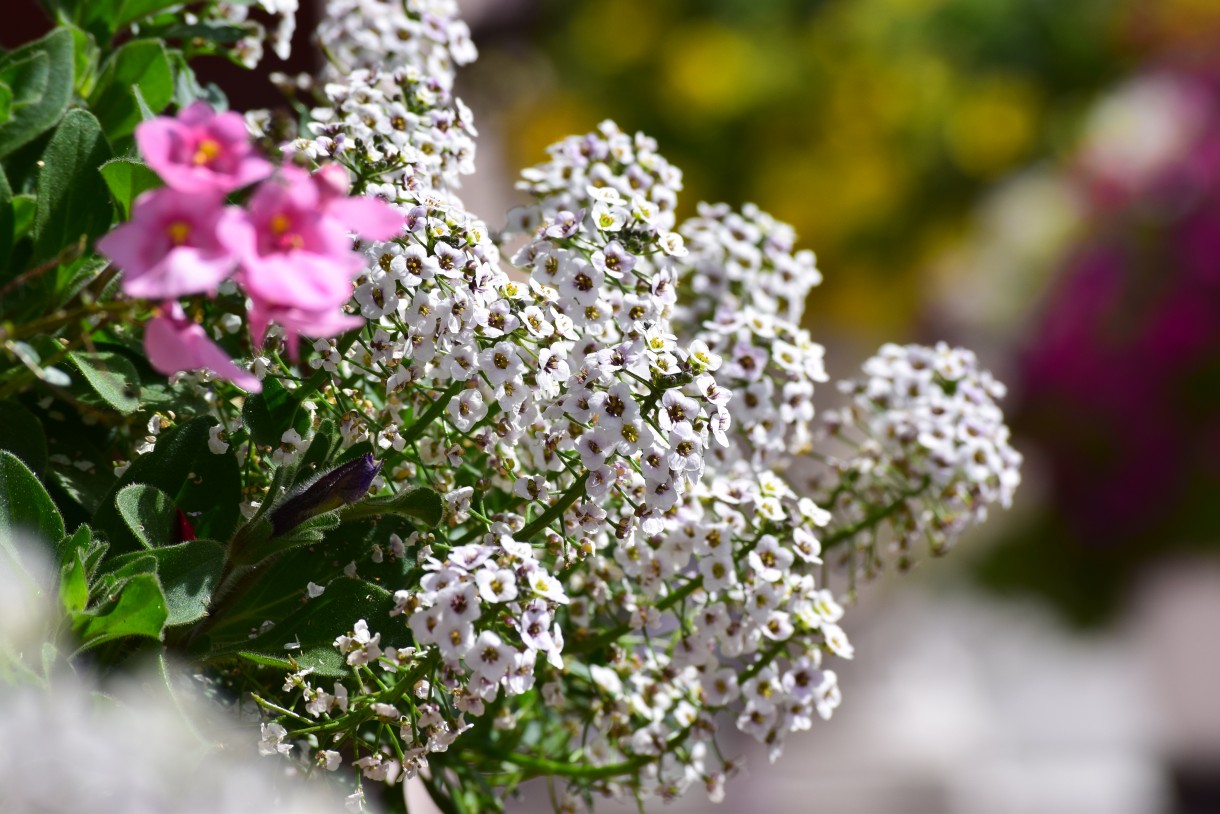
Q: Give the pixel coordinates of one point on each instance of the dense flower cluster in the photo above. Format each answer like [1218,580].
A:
[401,123]
[624,560]
[929,444]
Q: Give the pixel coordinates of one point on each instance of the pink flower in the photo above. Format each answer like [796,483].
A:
[297,322]
[169,248]
[293,242]
[174,344]
[371,218]
[201,151]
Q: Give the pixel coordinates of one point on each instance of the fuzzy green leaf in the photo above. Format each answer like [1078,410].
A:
[188,573]
[138,609]
[72,198]
[24,503]
[140,64]
[112,377]
[40,75]
[148,512]
[126,179]
[417,503]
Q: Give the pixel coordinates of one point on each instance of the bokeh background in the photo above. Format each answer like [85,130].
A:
[1036,179]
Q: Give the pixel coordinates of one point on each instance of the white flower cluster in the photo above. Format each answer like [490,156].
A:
[608,159]
[621,560]
[402,123]
[743,295]
[745,259]
[367,34]
[934,443]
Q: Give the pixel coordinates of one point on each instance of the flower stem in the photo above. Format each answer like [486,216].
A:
[556,509]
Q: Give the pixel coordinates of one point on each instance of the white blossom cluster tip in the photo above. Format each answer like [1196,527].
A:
[740,259]
[743,294]
[427,35]
[389,110]
[932,430]
[608,160]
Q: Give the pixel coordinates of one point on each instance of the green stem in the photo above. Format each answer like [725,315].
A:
[872,519]
[538,766]
[417,429]
[614,634]
[556,509]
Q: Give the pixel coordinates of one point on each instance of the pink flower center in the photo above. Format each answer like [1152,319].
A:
[179,232]
[207,152]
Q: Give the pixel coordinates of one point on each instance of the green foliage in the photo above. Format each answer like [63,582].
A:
[188,573]
[72,201]
[271,413]
[169,468]
[111,377]
[40,77]
[21,433]
[141,64]
[127,178]
[25,505]
[148,512]
[315,626]
[417,503]
[135,606]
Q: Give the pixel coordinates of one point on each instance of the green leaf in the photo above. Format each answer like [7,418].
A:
[133,10]
[24,503]
[40,94]
[141,64]
[220,34]
[139,609]
[27,80]
[126,179]
[187,88]
[112,377]
[85,55]
[23,215]
[168,467]
[271,413]
[418,503]
[148,512]
[72,199]
[8,224]
[188,573]
[74,583]
[317,624]
[6,102]
[21,433]
[260,544]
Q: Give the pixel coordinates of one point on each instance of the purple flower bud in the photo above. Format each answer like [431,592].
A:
[341,486]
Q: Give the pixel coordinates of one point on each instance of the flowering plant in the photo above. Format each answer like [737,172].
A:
[545,502]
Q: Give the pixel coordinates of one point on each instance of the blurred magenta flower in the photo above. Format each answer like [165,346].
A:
[371,218]
[175,344]
[296,322]
[292,242]
[201,150]
[169,248]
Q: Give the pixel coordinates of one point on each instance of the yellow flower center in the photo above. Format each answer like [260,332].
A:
[179,232]
[206,152]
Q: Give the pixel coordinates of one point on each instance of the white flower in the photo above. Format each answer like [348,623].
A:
[272,740]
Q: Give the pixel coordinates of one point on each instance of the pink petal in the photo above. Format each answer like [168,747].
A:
[174,346]
[371,218]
